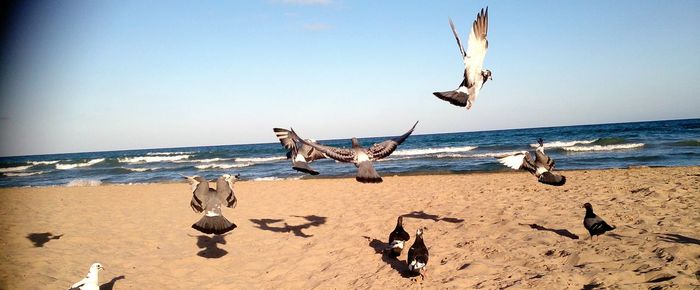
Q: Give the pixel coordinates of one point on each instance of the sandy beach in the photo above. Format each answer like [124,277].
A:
[484,230]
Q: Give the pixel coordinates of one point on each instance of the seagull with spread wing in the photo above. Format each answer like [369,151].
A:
[541,167]
[474,76]
[205,199]
[361,157]
[300,153]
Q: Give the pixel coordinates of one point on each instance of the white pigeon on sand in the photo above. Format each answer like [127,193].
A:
[90,282]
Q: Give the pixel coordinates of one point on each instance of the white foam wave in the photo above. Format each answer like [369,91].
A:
[151,159]
[167,153]
[261,159]
[15,169]
[75,165]
[557,144]
[84,182]
[21,174]
[603,147]
[427,151]
[223,166]
[43,162]
[495,154]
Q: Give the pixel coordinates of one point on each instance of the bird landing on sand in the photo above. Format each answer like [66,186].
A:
[209,201]
[541,167]
[90,282]
[594,224]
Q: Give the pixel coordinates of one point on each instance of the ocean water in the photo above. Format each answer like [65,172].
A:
[659,143]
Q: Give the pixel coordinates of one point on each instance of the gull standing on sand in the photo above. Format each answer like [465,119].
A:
[361,157]
[594,224]
[90,282]
[397,238]
[473,57]
[418,255]
[205,199]
[300,153]
[541,167]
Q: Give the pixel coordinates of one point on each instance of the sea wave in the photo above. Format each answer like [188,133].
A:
[495,154]
[15,169]
[223,166]
[141,169]
[428,151]
[75,165]
[260,159]
[43,162]
[558,144]
[603,147]
[151,159]
[689,143]
[167,153]
[22,174]
[84,182]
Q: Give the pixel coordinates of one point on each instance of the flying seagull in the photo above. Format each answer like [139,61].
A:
[541,167]
[300,153]
[397,238]
[205,199]
[361,157]
[418,255]
[594,224]
[90,281]
[474,76]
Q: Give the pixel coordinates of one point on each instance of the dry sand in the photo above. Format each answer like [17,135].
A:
[486,230]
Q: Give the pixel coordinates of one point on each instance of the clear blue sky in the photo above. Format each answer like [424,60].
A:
[109,75]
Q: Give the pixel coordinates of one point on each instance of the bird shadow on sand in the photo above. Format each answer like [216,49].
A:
[425,216]
[209,246]
[39,239]
[313,221]
[395,263]
[561,232]
[110,285]
[676,238]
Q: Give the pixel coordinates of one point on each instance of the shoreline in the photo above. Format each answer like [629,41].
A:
[488,230]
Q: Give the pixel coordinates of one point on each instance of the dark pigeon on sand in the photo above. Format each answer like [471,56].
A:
[209,201]
[397,239]
[474,76]
[418,255]
[361,157]
[594,224]
[300,153]
[541,167]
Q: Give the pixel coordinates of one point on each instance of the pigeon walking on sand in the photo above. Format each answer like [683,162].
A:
[361,157]
[90,282]
[209,201]
[474,76]
[541,167]
[594,224]
[300,153]
[418,255]
[397,238]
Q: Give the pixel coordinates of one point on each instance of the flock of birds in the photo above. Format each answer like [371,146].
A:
[304,151]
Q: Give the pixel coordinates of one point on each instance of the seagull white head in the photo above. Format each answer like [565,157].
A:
[486,74]
[355,143]
[230,179]
[96,267]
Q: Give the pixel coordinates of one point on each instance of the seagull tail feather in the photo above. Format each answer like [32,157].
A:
[214,225]
[456,98]
[303,167]
[552,179]
[367,174]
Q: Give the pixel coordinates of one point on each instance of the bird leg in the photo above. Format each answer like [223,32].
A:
[469,104]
